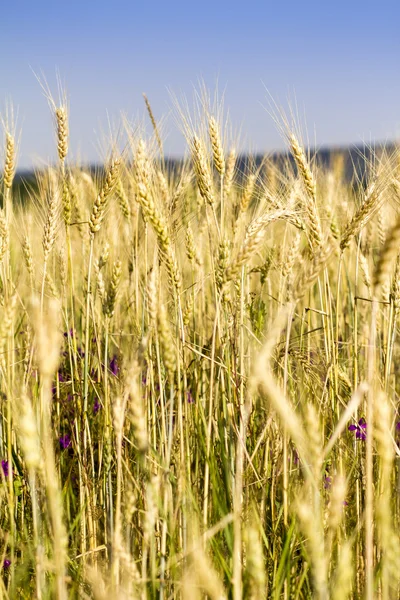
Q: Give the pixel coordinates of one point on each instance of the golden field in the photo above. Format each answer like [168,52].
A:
[199,371]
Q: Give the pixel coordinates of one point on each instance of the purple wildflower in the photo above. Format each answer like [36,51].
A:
[6,563]
[96,406]
[360,429]
[296,457]
[327,482]
[71,333]
[190,398]
[114,368]
[5,467]
[94,375]
[65,441]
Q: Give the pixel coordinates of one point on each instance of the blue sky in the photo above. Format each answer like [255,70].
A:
[339,60]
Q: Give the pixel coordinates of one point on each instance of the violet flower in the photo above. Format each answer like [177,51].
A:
[94,375]
[360,429]
[96,406]
[65,441]
[6,563]
[114,368]
[5,467]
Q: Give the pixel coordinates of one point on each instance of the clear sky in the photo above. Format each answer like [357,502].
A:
[340,60]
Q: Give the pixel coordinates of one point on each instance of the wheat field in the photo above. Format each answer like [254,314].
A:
[199,371]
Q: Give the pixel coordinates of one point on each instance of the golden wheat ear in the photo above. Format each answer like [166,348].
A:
[99,206]
[9,163]
[216,145]
[62,132]
[202,170]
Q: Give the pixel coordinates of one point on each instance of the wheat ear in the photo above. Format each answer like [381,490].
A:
[202,170]
[50,227]
[9,165]
[153,122]
[310,198]
[216,144]
[160,228]
[388,254]
[303,166]
[372,202]
[99,206]
[230,171]
[253,239]
[4,235]
[111,296]
[123,200]
[248,192]
[62,132]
